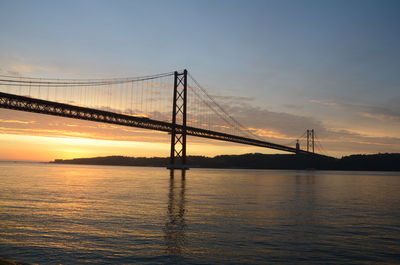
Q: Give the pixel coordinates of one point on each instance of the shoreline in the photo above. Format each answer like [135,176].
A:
[374,162]
[199,167]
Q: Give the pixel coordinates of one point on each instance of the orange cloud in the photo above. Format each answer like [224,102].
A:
[269,133]
[28,68]
[16,121]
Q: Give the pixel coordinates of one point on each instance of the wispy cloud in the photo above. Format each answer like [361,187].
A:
[380,116]
[28,68]
[371,112]
[233,98]
[282,127]
[293,106]
[16,121]
[272,126]
[25,66]
[44,125]
[284,124]
[326,103]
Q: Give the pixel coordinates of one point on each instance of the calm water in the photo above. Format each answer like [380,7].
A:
[70,214]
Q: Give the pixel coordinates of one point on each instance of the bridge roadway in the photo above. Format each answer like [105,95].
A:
[15,102]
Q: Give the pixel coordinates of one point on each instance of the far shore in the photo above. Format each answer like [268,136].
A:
[374,162]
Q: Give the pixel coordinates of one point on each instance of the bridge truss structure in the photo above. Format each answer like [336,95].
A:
[27,95]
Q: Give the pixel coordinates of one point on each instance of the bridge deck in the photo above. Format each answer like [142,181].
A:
[28,104]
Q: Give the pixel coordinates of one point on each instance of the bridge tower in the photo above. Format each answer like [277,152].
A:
[310,140]
[178,133]
[297,146]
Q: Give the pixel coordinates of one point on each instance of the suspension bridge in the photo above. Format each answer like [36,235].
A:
[171,102]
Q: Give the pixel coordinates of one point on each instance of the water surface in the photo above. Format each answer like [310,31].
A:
[74,214]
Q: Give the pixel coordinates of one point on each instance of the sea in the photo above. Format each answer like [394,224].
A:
[84,214]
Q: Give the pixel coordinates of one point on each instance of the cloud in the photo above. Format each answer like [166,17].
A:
[277,127]
[342,141]
[24,66]
[233,98]
[45,125]
[16,121]
[282,127]
[381,116]
[276,123]
[371,112]
[326,103]
[28,68]
[293,106]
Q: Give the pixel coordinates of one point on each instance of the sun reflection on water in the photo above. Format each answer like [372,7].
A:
[175,226]
[73,214]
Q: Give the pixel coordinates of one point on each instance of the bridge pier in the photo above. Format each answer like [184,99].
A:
[172,172]
[179,111]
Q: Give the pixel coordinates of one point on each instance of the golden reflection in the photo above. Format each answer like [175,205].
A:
[308,178]
[175,227]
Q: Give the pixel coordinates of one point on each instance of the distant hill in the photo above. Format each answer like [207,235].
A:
[375,162]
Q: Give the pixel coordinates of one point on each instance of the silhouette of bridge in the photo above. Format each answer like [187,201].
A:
[144,102]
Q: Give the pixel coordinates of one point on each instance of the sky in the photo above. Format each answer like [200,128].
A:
[279,67]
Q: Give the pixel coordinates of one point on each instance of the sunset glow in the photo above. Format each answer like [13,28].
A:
[278,73]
